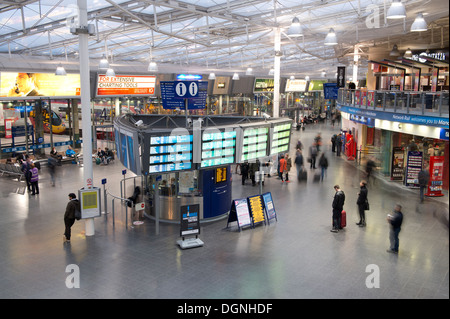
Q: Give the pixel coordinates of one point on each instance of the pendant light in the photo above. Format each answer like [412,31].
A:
[396,10]
[235,76]
[60,71]
[295,30]
[212,76]
[331,38]
[419,24]
[408,54]
[104,64]
[249,71]
[394,51]
[110,72]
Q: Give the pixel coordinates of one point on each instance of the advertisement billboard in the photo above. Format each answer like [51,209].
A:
[125,85]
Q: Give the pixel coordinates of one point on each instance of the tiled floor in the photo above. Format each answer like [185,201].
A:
[294,257]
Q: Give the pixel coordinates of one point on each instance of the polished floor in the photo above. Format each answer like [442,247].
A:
[295,257]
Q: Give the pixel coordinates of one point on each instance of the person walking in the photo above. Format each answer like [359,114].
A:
[323,163]
[282,168]
[424,176]
[361,202]
[34,179]
[395,221]
[69,215]
[288,166]
[26,169]
[313,155]
[338,207]
[244,171]
[339,144]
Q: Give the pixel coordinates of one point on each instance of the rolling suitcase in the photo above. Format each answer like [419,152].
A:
[316,177]
[302,175]
[343,219]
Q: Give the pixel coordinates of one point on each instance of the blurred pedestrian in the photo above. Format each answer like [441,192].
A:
[395,220]
[69,215]
[34,179]
[424,176]
[282,168]
[244,171]
[338,207]
[370,165]
[362,203]
[312,155]
[323,163]
[288,166]
[26,169]
[339,144]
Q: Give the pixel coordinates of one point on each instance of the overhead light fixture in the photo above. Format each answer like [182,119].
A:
[394,51]
[323,74]
[295,30]
[292,78]
[331,38]
[408,53]
[307,78]
[271,71]
[419,24]
[396,10]
[235,77]
[110,72]
[60,71]
[104,64]
[212,76]
[152,67]
[249,71]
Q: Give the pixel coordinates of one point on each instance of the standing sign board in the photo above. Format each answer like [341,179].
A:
[190,221]
[413,167]
[397,164]
[90,202]
[257,209]
[436,176]
[269,206]
[239,212]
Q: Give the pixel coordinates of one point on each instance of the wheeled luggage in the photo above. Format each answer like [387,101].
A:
[316,177]
[343,219]
[302,175]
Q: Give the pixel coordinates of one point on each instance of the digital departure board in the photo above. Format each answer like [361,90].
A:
[170,153]
[218,148]
[280,138]
[254,144]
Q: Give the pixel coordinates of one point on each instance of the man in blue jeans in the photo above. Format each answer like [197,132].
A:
[395,220]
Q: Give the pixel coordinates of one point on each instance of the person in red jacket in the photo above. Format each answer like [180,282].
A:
[283,168]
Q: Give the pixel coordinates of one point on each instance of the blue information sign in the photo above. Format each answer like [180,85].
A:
[174,94]
[330,91]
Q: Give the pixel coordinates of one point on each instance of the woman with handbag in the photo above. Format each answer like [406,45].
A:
[362,203]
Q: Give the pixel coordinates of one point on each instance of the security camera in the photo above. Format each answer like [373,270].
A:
[139,123]
[266,116]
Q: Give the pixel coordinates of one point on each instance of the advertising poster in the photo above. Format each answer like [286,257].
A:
[268,204]
[413,167]
[125,85]
[436,180]
[296,85]
[17,84]
[256,208]
[239,212]
[190,221]
[123,150]
[397,164]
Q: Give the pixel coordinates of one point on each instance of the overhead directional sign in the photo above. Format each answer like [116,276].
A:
[174,94]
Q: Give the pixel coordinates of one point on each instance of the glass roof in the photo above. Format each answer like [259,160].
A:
[216,35]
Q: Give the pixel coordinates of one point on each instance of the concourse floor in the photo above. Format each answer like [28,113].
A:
[295,257]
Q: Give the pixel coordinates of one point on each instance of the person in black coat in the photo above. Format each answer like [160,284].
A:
[338,207]
[69,215]
[361,202]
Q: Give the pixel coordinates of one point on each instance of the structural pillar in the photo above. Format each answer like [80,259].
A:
[276,74]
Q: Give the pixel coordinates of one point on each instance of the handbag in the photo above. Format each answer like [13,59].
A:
[366,205]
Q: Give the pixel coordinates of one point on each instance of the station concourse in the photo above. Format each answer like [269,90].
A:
[295,257]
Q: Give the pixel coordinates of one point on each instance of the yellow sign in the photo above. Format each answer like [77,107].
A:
[89,200]
[256,207]
[221,175]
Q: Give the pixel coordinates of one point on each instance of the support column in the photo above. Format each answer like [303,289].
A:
[276,75]
[85,108]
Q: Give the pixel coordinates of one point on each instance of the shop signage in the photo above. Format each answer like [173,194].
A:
[362,119]
[397,117]
[341,76]
[444,134]
[436,170]
[397,164]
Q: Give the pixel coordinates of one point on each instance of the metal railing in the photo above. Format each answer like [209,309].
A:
[409,102]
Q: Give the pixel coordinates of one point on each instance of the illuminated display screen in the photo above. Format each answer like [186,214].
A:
[280,138]
[218,148]
[255,143]
[89,200]
[170,153]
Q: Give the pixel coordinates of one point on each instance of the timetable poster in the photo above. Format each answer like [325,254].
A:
[413,167]
[281,136]
[255,142]
[170,153]
[257,209]
[436,180]
[268,204]
[218,148]
[397,164]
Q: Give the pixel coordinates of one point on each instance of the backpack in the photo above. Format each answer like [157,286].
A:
[77,210]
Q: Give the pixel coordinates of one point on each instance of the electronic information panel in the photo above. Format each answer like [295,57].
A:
[218,148]
[255,143]
[280,138]
[170,153]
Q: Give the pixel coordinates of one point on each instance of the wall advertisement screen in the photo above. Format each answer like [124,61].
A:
[125,85]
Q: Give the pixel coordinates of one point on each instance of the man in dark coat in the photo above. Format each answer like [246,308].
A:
[338,207]
[361,202]
[69,215]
